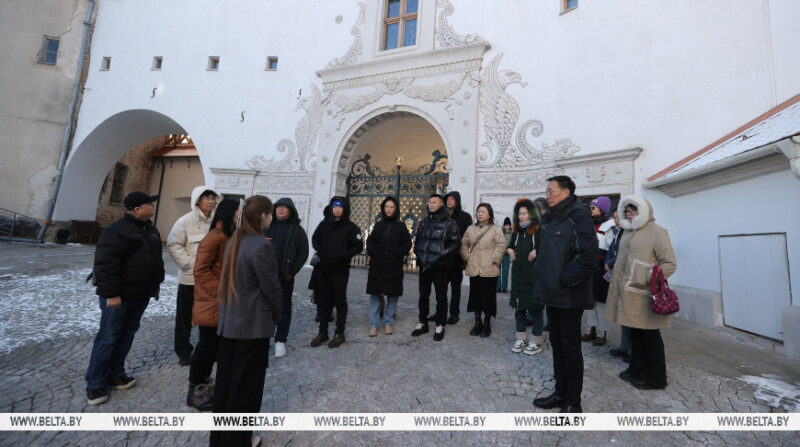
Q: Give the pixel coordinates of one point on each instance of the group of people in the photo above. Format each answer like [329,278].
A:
[238,261]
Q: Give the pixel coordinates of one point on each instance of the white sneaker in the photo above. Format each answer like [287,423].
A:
[280,349]
[533,348]
[519,345]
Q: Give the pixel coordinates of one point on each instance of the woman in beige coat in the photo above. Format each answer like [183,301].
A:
[483,247]
[643,246]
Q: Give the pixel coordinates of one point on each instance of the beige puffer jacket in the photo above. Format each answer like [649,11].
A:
[486,253]
[186,235]
[643,245]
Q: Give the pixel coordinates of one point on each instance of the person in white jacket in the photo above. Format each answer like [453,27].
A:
[597,326]
[182,244]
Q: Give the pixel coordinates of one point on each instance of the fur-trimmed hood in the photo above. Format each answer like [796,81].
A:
[645,212]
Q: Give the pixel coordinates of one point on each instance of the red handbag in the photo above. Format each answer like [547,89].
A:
[665,301]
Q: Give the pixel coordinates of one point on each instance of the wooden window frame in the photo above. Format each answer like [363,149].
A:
[42,59]
[565,6]
[158,62]
[270,60]
[105,63]
[401,19]
[213,63]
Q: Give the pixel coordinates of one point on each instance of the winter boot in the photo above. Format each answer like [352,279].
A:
[487,327]
[476,330]
[589,335]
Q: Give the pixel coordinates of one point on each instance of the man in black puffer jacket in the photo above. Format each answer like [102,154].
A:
[455,276]
[336,240]
[128,270]
[291,251]
[565,262]
[436,246]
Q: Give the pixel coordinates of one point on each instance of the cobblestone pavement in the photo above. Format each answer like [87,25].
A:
[709,371]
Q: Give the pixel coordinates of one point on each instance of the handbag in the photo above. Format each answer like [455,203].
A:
[315,260]
[665,301]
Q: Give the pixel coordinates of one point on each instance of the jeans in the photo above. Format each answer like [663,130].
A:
[522,316]
[282,332]
[502,280]
[439,279]
[455,277]
[565,340]
[597,317]
[183,320]
[375,310]
[333,293]
[625,340]
[118,326]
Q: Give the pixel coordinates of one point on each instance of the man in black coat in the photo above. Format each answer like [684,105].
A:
[455,276]
[291,251]
[565,262]
[336,240]
[128,270]
[436,247]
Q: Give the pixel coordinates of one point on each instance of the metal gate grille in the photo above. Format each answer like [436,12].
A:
[367,186]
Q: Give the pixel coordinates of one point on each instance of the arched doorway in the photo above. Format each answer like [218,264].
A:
[132,150]
[399,154]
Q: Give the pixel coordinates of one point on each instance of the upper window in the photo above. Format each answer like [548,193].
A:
[49,52]
[400,24]
[569,4]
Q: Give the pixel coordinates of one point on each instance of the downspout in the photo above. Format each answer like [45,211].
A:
[62,159]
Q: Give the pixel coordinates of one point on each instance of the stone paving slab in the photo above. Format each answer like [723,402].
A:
[396,373]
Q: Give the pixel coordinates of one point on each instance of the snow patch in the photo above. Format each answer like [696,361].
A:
[39,308]
[775,392]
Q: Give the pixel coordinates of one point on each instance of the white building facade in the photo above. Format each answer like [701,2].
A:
[281,98]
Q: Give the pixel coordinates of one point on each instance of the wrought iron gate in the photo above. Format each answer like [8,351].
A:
[368,185]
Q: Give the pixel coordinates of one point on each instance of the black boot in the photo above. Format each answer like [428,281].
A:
[476,330]
[487,327]
[199,396]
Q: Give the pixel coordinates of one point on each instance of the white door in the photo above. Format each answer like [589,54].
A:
[755,282]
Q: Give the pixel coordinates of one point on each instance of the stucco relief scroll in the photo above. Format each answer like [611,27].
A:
[353,53]
[500,113]
[299,154]
[445,35]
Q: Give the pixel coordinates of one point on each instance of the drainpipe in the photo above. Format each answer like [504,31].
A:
[62,159]
[791,149]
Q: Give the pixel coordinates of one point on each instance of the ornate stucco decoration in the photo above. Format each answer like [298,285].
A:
[500,113]
[353,54]
[441,92]
[445,35]
[299,157]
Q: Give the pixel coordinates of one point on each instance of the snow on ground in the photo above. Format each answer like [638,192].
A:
[775,391]
[38,308]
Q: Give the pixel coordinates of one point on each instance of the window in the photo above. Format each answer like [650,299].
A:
[272,63]
[157,61]
[118,185]
[213,63]
[105,64]
[400,24]
[49,51]
[569,5]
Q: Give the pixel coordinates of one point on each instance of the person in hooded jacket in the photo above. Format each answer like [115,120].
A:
[207,270]
[182,242]
[291,250]
[336,240]
[624,350]
[436,247]
[455,275]
[387,246]
[522,250]
[643,246]
[565,262]
[597,326]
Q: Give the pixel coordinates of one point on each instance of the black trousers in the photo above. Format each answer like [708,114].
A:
[205,355]
[455,277]
[282,332]
[183,320]
[565,339]
[439,279]
[333,293]
[647,357]
[241,369]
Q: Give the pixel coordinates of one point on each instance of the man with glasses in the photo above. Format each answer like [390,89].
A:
[565,261]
